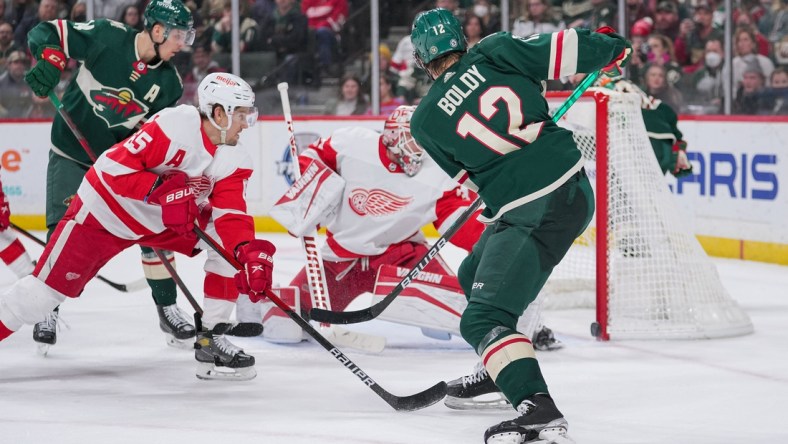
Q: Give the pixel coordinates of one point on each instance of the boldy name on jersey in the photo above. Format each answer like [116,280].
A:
[470,79]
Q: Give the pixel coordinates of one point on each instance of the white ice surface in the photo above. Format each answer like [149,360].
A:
[111,378]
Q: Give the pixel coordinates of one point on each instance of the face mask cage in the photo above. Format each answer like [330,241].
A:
[407,151]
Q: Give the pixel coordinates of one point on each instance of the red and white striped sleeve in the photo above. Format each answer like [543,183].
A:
[233,224]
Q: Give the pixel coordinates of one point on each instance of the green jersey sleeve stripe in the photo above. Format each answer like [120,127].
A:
[563,54]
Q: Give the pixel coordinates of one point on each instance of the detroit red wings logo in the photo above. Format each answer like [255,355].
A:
[376,202]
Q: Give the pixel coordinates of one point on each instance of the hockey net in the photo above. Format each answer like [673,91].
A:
[638,264]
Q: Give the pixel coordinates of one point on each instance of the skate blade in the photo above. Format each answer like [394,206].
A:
[183,344]
[548,435]
[483,402]
[42,349]
[209,372]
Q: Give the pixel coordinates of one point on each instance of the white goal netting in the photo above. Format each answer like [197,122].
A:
[656,281]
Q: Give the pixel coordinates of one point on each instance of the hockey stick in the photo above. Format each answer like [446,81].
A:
[316,277]
[371,312]
[126,288]
[403,403]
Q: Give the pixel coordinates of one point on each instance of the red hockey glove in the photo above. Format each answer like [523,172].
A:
[682,166]
[178,209]
[45,75]
[622,58]
[5,212]
[255,279]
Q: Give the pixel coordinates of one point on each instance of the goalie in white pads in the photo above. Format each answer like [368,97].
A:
[181,168]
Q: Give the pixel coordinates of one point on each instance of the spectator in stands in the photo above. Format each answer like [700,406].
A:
[385,61]
[222,30]
[744,43]
[537,18]
[7,44]
[638,10]
[576,12]
[202,65]
[20,11]
[388,103]
[109,8]
[666,19]
[745,20]
[285,32]
[603,13]
[638,37]
[453,6]
[260,9]
[705,87]
[774,100]
[351,100]
[749,93]
[657,86]
[489,14]
[131,17]
[15,95]
[326,18]
[690,47]
[473,29]
[47,10]
[660,52]
[79,13]
[774,24]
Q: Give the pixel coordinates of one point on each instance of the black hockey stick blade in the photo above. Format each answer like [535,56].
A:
[373,311]
[401,403]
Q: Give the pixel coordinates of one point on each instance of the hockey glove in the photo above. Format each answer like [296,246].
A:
[622,58]
[45,75]
[5,212]
[178,209]
[257,258]
[682,166]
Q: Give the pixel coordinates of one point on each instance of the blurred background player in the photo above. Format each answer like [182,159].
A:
[152,190]
[124,77]
[485,122]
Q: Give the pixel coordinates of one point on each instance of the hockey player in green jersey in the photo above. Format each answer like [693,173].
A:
[486,123]
[661,125]
[124,77]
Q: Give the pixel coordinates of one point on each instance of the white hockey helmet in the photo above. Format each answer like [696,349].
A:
[229,91]
[399,141]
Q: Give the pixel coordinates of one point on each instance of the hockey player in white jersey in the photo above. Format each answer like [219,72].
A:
[12,252]
[180,169]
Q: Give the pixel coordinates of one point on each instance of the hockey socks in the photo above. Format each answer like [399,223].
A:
[162,285]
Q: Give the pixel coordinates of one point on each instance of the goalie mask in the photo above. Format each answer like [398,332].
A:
[400,143]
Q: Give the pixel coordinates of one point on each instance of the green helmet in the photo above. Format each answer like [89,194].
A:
[173,14]
[436,32]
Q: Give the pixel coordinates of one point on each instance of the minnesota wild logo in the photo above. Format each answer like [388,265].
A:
[117,106]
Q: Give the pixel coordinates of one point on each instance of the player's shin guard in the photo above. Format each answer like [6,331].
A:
[434,302]
[163,288]
[14,255]
[277,325]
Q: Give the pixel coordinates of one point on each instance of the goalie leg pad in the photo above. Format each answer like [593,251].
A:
[433,302]
[277,325]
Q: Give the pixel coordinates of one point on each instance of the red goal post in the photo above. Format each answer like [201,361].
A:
[637,264]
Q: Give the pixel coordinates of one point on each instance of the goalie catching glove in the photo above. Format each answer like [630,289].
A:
[257,258]
[45,75]
[176,198]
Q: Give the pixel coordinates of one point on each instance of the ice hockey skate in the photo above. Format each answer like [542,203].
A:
[544,340]
[539,422]
[178,331]
[45,332]
[476,391]
[219,359]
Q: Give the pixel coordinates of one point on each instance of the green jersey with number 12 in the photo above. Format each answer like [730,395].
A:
[112,90]
[486,122]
